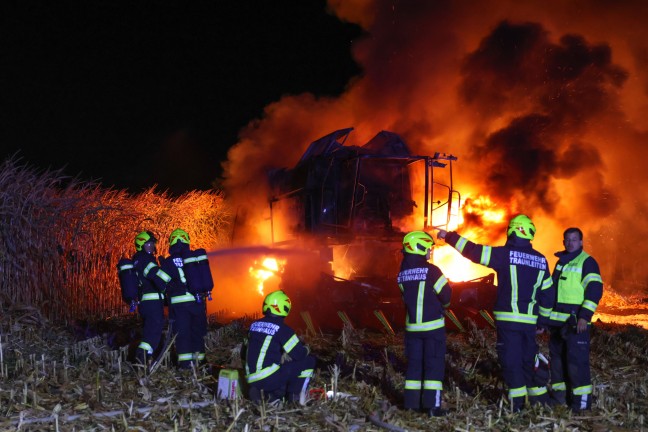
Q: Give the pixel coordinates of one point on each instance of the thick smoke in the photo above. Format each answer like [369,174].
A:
[557,89]
[545,108]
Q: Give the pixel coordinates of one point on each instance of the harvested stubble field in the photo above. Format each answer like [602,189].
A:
[55,380]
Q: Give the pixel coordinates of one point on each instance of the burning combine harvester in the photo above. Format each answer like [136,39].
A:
[347,208]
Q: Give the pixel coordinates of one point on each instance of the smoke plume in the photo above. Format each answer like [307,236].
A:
[545,107]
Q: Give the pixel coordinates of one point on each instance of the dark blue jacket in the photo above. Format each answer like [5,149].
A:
[425,292]
[152,279]
[268,339]
[525,291]
[173,267]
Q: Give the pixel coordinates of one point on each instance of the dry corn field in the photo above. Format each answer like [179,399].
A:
[61,239]
[64,340]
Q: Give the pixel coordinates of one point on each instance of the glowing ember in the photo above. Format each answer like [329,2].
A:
[269,267]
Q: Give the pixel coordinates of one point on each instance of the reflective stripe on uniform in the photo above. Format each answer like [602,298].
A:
[413,385]
[515,317]
[590,305]
[183,299]
[461,244]
[181,272]
[548,282]
[485,255]
[514,289]
[420,296]
[432,385]
[146,347]
[440,283]
[148,268]
[262,352]
[306,373]
[517,392]
[163,275]
[583,390]
[127,266]
[291,343]
[185,357]
[558,316]
[263,373]
[535,290]
[425,326]
[559,386]
[592,277]
[152,296]
[195,259]
[545,312]
[537,391]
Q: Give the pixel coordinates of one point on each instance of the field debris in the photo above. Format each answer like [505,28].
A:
[55,379]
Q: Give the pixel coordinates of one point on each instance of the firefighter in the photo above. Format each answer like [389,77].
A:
[523,302]
[186,309]
[270,340]
[426,294]
[579,288]
[152,286]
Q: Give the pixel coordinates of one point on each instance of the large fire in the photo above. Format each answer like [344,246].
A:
[546,113]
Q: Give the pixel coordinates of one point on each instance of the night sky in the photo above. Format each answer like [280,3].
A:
[134,94]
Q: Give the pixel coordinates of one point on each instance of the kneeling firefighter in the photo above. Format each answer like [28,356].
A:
[186,302]
[152,286]
[268,340]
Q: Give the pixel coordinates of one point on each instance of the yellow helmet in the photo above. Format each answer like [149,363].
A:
[417,242]
[143,237]
[522,226]
[277,303]
[178,235]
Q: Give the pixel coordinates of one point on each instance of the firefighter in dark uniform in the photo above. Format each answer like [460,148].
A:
[426,293]
[579,288]
[153,282]
[186,309]
[524,298]
[270,339]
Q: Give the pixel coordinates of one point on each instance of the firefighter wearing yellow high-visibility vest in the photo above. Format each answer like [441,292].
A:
[579,288]
[426,293]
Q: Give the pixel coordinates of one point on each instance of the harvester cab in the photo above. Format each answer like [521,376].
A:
[351,206]
[343,192]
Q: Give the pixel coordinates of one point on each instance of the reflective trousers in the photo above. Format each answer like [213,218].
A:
[425,353]
[571,381]
[152,313]
[516,351]
[190,328]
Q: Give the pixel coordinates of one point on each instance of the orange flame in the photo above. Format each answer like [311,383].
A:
[269,267]
[475,221]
